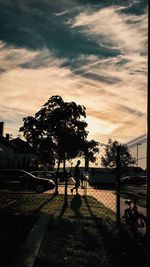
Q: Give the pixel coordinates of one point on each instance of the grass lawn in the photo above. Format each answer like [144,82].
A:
[85,234]
[82,234]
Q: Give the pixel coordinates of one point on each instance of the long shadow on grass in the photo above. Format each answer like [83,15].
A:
[122,249]
[64,207]
[43,204]
[75,205]
[99,221]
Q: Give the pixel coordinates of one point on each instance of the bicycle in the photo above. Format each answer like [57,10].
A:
[133,218]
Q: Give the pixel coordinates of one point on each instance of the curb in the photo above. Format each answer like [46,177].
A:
[28,250]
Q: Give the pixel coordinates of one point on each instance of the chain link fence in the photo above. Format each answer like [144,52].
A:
[105,193]
[133,207]
[20,204]
[127,201]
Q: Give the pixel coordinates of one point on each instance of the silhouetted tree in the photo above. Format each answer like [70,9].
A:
[89,149]
[58,126]
[36,134]
[110,154]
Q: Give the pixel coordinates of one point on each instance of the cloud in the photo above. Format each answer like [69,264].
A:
[35,25]
[12,119]
[79,62]
[12,57]
[108,108]
[125,32]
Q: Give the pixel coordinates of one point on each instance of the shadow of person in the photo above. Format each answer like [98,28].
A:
[75,205]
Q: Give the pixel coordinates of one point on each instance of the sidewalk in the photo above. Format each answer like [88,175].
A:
[107,197]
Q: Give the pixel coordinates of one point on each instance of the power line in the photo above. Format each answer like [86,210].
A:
[16,110]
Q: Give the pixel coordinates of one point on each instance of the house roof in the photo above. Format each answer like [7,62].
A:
[5,142]
[138,140]
[21,146]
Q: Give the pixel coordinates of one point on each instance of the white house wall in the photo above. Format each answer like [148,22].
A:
[138,149]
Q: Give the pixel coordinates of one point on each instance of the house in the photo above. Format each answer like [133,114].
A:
[138,148]
[24,153]
[15,153]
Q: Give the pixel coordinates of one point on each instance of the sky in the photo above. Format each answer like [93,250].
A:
[91,52]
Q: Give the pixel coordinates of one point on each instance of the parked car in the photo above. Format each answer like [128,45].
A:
[44,174]
[136,180]
[52,175]
[61,177]
[17,179]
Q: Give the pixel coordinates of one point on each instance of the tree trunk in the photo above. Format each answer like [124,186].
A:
[56,178]
[66,184]
[86,162]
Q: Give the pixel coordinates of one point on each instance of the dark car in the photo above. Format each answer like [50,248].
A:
[17,179]
[135,180]
[44,174]
[61,176]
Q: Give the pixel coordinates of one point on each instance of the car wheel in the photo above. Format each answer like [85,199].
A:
[39,188]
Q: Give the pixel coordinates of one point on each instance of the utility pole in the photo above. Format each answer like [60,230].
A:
[137,163]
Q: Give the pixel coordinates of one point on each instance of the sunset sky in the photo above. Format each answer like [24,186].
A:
[91,52]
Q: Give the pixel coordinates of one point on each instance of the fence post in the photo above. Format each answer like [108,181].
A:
[118,184]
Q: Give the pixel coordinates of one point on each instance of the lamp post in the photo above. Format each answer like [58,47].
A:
[137,153]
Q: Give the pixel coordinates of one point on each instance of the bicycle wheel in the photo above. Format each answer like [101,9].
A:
[141,221]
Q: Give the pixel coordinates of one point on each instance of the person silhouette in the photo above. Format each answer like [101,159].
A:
[82,179]
[77,177]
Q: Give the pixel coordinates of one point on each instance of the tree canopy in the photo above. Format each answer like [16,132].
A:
[110,155]
[58,130]
[89,149]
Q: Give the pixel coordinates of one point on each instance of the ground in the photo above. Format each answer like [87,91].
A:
[84,233]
